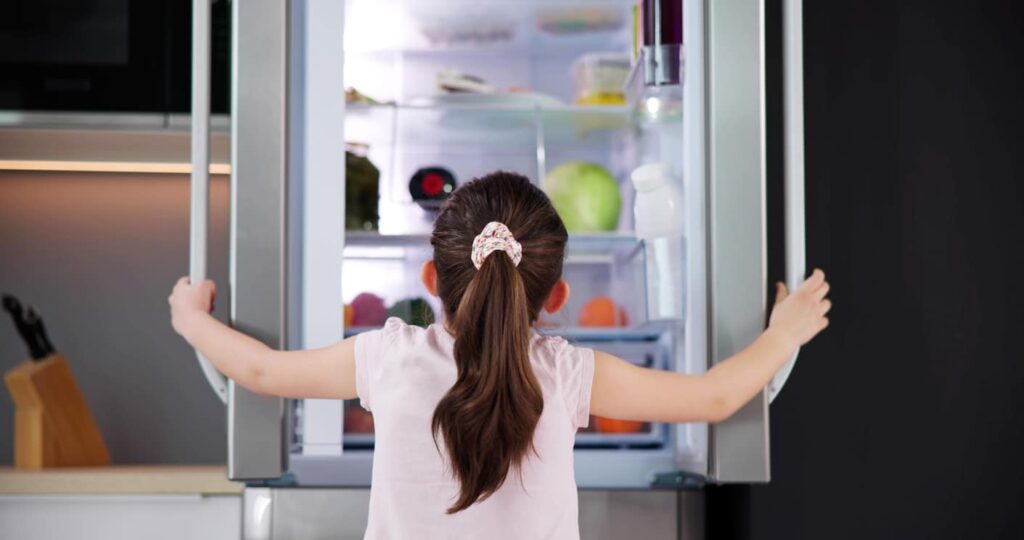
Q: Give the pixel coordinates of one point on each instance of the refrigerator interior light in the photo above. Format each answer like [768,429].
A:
[652,106]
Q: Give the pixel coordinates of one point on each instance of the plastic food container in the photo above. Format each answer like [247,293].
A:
[599,78]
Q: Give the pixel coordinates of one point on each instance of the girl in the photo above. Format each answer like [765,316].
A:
[476,417]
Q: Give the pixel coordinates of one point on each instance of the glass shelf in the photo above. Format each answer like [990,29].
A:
[644,333]
[490,121]
[585,439]
[480,27]
[647,332]
[589,248]
[650,438]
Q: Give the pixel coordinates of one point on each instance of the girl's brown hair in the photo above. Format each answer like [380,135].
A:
[488,417]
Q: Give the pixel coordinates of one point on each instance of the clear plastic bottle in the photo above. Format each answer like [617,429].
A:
[659,223]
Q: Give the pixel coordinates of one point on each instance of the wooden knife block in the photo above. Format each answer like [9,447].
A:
[52,423]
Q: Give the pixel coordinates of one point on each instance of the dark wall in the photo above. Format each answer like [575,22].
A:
[905,419]
[96,254]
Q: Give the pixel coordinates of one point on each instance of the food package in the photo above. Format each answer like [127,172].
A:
[362,190]
[600,78]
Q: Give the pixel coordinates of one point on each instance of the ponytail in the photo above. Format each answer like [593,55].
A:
[488,417]
[493,284]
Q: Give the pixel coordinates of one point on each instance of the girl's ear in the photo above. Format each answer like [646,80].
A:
[428,275]
[558,296]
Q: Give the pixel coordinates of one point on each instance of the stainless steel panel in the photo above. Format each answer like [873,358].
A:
[259,87]
[257,513]
[613,515]
[313,514]
[342,513]
[736,221]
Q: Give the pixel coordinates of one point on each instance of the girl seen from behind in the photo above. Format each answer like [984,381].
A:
[475,418]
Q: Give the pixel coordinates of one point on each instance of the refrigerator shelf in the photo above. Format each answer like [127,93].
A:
[647,439]
[501,123]
[645,333]
[541,106]
[503,27]
[588,248]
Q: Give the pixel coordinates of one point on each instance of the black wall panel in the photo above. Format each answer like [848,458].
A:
[905,419]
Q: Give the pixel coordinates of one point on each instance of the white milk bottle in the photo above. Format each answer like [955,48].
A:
[659,223]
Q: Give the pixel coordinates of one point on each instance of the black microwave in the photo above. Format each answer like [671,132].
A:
[107,55]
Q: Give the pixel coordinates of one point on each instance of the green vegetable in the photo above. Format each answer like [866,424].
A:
[585,195]
[414,311]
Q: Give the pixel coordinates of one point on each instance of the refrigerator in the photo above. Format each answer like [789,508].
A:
[613,83]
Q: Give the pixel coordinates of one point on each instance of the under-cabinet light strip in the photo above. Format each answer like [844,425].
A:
[107,166]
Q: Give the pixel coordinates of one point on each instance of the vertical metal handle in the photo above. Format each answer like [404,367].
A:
[200,196]
[793,137]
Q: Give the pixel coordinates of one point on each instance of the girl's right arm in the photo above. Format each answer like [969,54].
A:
[625,391]
[315,373]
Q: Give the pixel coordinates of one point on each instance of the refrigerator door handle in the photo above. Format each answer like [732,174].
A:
[793,161]
[200,196]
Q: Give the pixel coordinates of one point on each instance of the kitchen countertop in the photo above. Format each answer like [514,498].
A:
[119,479]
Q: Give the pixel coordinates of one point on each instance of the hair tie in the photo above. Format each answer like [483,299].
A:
[495,237]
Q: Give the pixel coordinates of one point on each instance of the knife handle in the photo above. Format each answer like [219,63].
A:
[38,332]
[35,349]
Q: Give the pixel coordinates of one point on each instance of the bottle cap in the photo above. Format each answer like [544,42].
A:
[648,177]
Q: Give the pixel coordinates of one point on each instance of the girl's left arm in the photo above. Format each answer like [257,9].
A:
[624,391]
[317,373]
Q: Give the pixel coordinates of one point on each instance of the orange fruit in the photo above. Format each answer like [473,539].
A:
[349,315]
[611,425]
[602,312]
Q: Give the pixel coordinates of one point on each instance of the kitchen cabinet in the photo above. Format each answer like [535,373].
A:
[120,502]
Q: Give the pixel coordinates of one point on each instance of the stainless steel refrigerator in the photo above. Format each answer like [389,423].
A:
[691,96]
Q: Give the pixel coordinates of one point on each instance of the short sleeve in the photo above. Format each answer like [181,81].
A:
[371,349]
[576,371]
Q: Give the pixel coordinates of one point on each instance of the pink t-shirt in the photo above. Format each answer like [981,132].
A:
[402,372]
